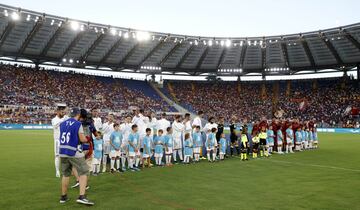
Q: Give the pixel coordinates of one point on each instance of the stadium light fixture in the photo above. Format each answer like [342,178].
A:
[120,33]
[96,30]
[15,16]
[133,34]
[60,23]
[181,40]
[71,60]
[102,31]
[74,25]
[196,42]
[37,18]
[52,22]
[64,60]
[210,43]
[113,31]
[82,27]
[126,35]
[217,42]
[142,36]
[228,43]
[249,43]
[29,17]
[6,13]
[222,42]
[191,43]
[241,43]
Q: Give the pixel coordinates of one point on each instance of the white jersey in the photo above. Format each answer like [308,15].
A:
[188,127]
[125,129]
[163,124]
[107,129]
[197,122]
[153,125]
[178,128]
[140,122]
[97,123]
[55,122]
[207,129]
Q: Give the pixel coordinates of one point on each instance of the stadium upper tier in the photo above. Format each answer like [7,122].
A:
[54,40]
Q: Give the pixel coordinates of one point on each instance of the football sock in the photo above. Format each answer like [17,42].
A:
[118,163]
[112,162]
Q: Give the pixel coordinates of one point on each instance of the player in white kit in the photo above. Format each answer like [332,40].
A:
[178,128]
[107,128]
[55,122]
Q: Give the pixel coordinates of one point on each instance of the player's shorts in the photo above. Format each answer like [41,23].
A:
[255,146]
[56,147]
[222,153]
[138,153]
[169,152]
[289,141]
[145,155]
[106,148]
[271,144]
[196,150]
[177,143]
[262,142]
[131,154]
[316,142]
[114,154]
[158,155]
[67,163]
[96,161]
[279,143]
[210,148]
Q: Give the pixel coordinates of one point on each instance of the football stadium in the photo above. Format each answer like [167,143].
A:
[101,114]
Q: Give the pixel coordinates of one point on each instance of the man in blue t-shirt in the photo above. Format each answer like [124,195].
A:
[71,155]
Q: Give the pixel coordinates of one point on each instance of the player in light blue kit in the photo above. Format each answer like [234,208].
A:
[147,148]
[115,148]
[270,139]
[133,146]
[159,147]
[197,143]
[298,139]
[210,145]
[223,146]
[98,149]
[188,150]
[168,144]
[289,139]
[280,140]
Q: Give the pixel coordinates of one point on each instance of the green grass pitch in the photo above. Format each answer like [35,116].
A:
[327,178]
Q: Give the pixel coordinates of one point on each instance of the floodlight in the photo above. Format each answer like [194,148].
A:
[241,43]
[29,16]
[228,43]
[52,22]
[74,25]
[142,35]
[6,13]
[71,60]
[15,16]
[64,60]
[113,31]
[222,42]
[210,43]
[196,42]
[126,35]
[60,23]
[120,33]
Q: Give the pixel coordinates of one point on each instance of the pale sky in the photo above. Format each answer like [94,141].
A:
[227,18]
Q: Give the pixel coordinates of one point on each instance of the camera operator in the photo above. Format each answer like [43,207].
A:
[71,138]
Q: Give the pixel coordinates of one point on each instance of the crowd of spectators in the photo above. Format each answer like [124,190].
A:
[30,95]
[330,102]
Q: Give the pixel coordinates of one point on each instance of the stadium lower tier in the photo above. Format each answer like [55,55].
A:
[29,96]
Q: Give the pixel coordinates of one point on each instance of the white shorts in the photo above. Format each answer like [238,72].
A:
[138,153]
[114,154]
[271,145]
[279,143]
[157,155]
[222,153]
[106,148]
[196,150]
[56,147]
[96,161]
[146,156]
[169,152]
[316,142]
[289,141]
[131,154]
[177,144]
[210,148]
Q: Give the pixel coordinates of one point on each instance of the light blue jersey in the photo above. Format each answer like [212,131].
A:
[315,136]
[147,145]
[197,139]
[115,139]
[223,145]
[270,137]
[188,147]
[210,142]
[159,142]
[280,137]
[311,137]
[98,148]
[307,135]
[168,141]
[298,136]
[134,140]
[303,135]
[290,134]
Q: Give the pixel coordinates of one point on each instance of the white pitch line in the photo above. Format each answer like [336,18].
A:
[315,165]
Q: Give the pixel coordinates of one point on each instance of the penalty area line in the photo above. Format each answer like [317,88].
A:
[315,165]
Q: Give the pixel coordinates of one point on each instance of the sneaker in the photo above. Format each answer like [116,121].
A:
[83,200]
[57,174]
[112,170]
[95,174]
[137,169]
[75,185]
[132,169]
[87,187]
[64,199]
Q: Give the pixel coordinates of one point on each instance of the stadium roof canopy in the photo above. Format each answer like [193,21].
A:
[50,39]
